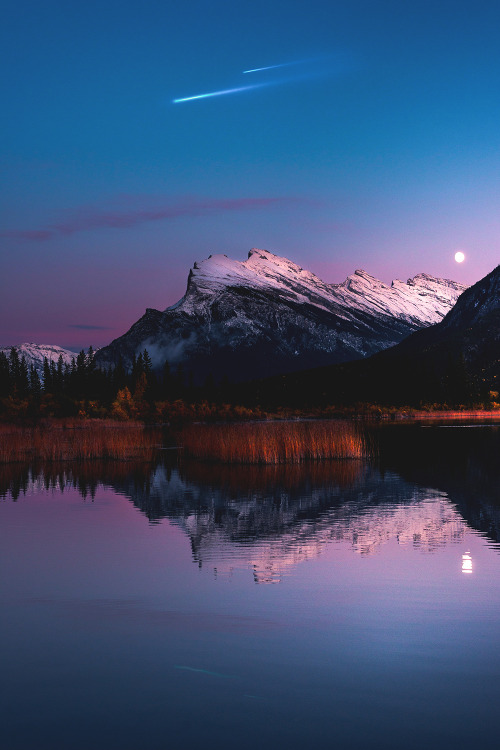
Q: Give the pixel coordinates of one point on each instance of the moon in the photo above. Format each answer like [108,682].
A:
[459,257]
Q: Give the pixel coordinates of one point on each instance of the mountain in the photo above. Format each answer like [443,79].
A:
[34,354]
[471,330]
[462,353]
[454,361]
[267,315]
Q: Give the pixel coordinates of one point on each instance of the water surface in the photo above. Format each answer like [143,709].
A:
[352,605]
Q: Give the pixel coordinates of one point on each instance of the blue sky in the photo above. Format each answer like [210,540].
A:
[379,148]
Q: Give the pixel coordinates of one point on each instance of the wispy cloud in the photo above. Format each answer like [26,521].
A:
[87,219]
[85,327]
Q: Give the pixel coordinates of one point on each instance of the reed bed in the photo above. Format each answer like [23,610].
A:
[82,441]
[275,442]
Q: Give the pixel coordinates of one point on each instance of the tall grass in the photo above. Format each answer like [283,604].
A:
[274,442]
[79,441]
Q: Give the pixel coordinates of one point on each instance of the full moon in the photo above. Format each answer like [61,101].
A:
[459,257]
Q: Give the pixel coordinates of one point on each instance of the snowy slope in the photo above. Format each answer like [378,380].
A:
[423,300]
[34,354]
[455,361]
[469,333]
[267,315]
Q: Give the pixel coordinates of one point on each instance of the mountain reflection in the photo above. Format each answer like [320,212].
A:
[461,461]
[428,486]
[272,519]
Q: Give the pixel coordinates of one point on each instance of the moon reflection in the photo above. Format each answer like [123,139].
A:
[466,563]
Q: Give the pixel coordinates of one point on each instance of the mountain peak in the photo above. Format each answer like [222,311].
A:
[268,314]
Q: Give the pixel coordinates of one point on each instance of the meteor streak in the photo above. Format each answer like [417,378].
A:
[220,93]
[280,65]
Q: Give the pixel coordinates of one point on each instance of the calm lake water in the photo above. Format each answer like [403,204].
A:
[335,605]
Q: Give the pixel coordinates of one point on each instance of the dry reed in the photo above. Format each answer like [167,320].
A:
[81,441]
[274,442]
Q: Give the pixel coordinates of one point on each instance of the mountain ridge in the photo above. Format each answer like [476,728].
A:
[267,315]
[455,361]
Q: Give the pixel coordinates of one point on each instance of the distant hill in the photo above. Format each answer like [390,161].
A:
[34,354]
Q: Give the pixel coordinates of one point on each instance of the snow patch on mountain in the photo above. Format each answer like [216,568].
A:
[34,354]
[422,300]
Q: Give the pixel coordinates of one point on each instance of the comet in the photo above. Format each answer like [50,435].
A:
[223,92]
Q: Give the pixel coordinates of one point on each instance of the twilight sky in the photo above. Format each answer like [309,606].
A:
[372,141]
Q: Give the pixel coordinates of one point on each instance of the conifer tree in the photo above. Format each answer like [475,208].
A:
[148,365]
[14,366]
[47,376]
[5,383]
[59,379]
[90,359]
[118,376]
[81,362]
[23,384]
[137,369]
[35,384]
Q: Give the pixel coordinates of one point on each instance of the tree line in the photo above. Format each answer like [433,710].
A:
[139,392]
[85,389]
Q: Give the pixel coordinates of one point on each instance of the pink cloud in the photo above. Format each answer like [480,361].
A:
[91,218]
[28,234]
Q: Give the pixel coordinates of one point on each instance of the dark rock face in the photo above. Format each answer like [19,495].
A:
[469,333]
[456,361]
[267,315]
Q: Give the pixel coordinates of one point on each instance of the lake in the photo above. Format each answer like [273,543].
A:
[181,604]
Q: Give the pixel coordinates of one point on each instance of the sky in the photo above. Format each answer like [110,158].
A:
[370,141]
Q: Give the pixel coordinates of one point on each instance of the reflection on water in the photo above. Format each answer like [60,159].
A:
[466,562]
[131,617]
[277,522]
[460,461]
[427,487]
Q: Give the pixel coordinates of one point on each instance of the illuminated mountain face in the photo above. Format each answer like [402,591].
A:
[267,315]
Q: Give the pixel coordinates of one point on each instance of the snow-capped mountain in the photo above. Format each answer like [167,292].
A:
[455,361]
[34,354]
[469,333]
[267,315]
